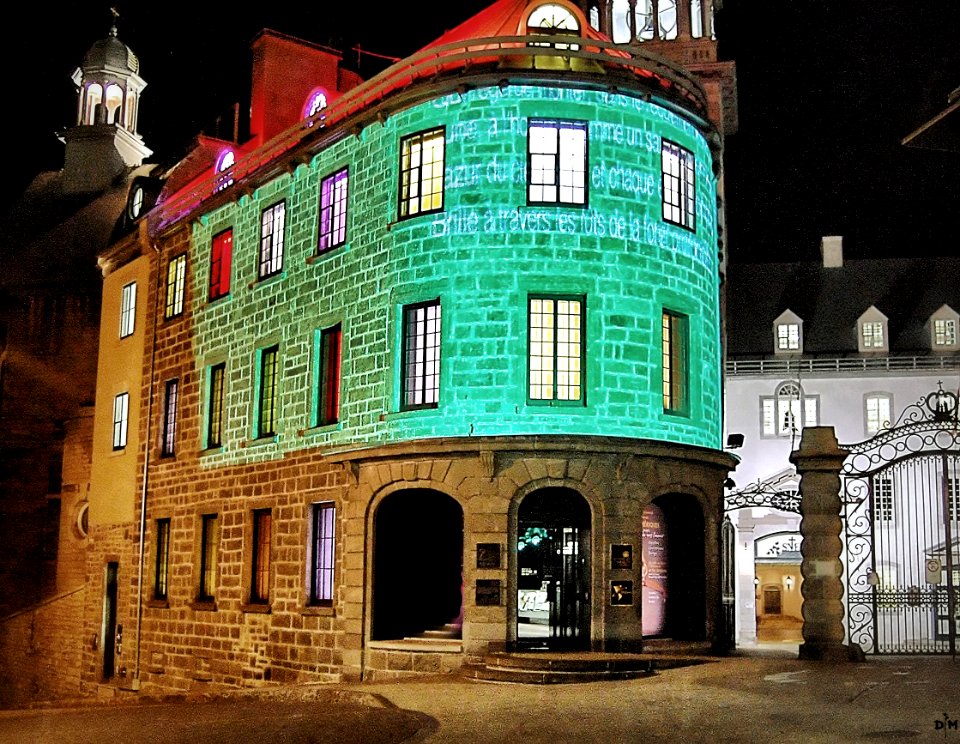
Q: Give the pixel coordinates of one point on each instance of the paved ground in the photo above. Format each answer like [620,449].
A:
[759,695]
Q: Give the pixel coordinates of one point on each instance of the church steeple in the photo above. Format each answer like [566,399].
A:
[104,139]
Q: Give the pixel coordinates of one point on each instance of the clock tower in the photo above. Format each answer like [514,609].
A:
[104,141]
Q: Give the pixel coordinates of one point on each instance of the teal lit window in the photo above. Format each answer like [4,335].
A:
[557,162]
[271,240]
[176,286]
[333,210]
[675,382]
[161,570]
[556,349]
[421,355]
[679,185]
[421,173]
[171,399]
[209,542]
[268,392]
[260,558]
[215,405]
[322,552]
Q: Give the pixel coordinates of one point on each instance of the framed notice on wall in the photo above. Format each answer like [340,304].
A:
[488,555]
[621,556]
[621,593]
[488,592]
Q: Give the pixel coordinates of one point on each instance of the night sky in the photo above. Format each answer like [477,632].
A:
[827,89]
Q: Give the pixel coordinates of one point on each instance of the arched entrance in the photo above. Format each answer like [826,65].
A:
[553,570]
[417,566]
[674,576]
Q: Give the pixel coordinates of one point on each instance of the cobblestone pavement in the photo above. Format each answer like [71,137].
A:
[756,695]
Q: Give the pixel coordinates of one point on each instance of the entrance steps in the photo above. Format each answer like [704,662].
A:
[549,667]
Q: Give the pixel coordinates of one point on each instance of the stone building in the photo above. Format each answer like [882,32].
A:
[428,368]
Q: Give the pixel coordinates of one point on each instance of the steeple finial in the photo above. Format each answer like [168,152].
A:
[113,26]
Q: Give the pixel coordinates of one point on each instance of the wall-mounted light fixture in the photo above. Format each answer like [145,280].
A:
[788,582]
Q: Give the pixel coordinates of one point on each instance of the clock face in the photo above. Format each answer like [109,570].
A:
[136,202]
[552,16]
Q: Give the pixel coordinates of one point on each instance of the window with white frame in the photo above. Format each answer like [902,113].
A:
[679,185]
[271,240]
[121,412]
[322,553]
[871,335]
[556,162]
[333,210]
[128,309]
[788,337]
[788,411]
[944,332]
[877,411]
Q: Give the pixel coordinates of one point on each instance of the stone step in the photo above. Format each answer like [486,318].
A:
[484,673]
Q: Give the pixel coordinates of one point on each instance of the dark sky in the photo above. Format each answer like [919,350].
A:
[827,89]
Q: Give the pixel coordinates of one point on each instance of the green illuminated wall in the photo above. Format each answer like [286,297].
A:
[482,256]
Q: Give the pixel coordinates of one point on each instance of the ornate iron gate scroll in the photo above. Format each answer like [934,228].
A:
[901,495]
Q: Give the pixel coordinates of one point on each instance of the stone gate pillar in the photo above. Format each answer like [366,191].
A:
[818,463]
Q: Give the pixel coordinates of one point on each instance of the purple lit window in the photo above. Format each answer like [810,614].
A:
[322,554]
[333,210]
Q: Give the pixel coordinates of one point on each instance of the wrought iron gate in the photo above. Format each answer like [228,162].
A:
[901,494]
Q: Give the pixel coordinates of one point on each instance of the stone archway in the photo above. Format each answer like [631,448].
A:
[417,565]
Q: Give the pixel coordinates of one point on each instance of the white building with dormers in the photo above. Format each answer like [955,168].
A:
[842,343]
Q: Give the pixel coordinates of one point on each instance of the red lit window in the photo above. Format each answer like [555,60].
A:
[221,253]
[328,390]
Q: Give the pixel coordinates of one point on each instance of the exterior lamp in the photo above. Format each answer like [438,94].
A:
[788,582]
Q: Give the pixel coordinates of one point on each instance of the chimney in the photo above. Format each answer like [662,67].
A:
[831,248]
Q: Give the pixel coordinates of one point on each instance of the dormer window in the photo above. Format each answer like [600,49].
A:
[943,330]
[316,102]
[872,331]
[224,162]
[553,19]
[788,334]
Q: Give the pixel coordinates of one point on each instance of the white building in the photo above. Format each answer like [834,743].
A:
[847,344]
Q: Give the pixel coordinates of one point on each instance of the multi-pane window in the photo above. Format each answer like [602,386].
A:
[209,541]
[421,355]
[877,412]
[221,255]
[121,411]
[556,162]
[128,309]
[328,376]
[215,405]
[953,498]
[322,541]
[162,559]
[176,286]
[271,240]
[171,397]
[945,332]
[788,411]
[260,557]
[556,346]
[674,365]
[871,333]
[883,498]
[679,185]
[421,173]
[267,393]
[788,337]
[333,210]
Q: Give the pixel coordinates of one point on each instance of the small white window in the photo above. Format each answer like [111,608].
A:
[872,331]
[121,410]
[872,335]
[943,329]
[788,336]
[877,410]
[788,411]
[128,309]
